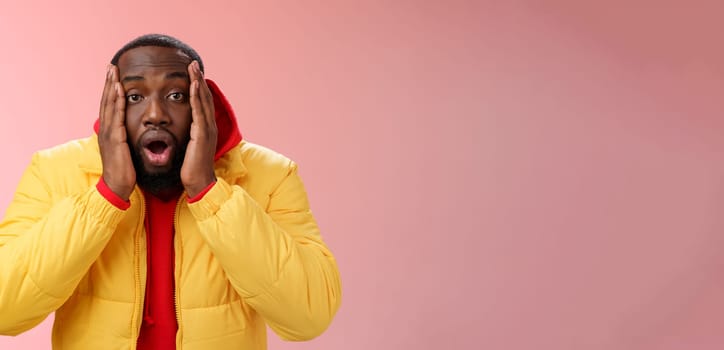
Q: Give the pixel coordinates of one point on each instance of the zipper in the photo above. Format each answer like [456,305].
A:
[137,256]
[177,266]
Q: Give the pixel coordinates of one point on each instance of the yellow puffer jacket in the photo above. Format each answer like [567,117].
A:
[249,253]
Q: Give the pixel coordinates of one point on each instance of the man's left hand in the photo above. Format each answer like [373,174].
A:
[197,172]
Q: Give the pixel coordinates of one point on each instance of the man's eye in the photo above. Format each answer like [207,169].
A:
[177,96]
[133,98]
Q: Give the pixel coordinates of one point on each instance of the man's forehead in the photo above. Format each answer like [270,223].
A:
[146,57]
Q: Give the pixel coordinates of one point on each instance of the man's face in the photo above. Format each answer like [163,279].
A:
[158,113]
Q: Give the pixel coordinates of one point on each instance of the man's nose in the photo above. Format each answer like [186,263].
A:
[155,113]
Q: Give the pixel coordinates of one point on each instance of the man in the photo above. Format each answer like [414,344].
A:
[165,230]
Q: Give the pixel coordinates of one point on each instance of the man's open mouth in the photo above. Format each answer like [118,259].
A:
[157,146]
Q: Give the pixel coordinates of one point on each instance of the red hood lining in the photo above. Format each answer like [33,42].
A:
[229,135]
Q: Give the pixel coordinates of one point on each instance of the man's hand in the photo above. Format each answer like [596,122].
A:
[197,171]
[118,171]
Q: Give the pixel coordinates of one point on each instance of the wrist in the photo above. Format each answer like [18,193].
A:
[122,193]
[111,196]
[194,190]
[199,196]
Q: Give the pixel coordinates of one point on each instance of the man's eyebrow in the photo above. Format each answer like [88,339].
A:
[132,78]
[172,75]
[177,75]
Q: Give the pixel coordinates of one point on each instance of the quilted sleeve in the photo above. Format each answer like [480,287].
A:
[274,257]
[47,245]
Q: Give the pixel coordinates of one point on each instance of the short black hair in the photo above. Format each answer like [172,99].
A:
[161,40]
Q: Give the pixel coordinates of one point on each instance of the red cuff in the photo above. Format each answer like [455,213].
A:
[111,196]
[201,194]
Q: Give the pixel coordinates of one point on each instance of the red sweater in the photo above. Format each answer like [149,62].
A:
[158,331]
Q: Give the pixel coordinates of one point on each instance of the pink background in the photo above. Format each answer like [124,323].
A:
[490,174]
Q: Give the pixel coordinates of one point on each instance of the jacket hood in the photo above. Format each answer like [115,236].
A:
[228,130]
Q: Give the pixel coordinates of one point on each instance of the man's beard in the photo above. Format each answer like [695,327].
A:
[156,183]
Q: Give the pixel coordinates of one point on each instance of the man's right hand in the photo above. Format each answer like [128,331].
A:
[118,172]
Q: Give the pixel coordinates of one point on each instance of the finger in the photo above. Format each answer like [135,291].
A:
[193,73]
[196,108]
[206,97]
[120,105]
[112,97]
[107,90]
[209,103]
[195,77]
[119,110]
